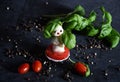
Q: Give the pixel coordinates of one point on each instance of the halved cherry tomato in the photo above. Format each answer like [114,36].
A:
[37,66]
[23,68]
[80,68]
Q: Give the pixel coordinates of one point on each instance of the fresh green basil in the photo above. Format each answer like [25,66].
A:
[81,22]
[49,28]
[91,31]
[113,39]
[70,25]
[107,17]
[115,32]
[77,21]
[79,10]
[92,17]
[105,31]
[106,27]
[68,39]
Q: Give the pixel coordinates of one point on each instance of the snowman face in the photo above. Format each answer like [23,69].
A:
[58,31]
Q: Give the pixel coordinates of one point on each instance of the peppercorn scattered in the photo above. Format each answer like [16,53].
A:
[30,25]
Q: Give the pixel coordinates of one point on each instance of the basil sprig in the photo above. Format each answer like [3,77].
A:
[113,38]
[69,39]
[106,27]
[49,28]
[91,31]
[107,32]
[79,10]
[76,20]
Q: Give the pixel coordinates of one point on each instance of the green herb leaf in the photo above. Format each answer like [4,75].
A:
[107,17]
[79,22]
[113,39]
[115,32]
[49,28]
[69,39]
[70,25]
[105,31]
[70,18]
[92,16]
[88,71]
[91,31]
[106,27]
[79,10]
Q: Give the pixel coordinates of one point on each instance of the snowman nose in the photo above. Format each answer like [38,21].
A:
[58,33]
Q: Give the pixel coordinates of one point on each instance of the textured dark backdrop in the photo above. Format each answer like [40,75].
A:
[12,11]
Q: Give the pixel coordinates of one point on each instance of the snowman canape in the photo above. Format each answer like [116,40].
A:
[56,51]
[63,41]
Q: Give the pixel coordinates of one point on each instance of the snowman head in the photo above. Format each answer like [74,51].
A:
[53,28]
[58,30]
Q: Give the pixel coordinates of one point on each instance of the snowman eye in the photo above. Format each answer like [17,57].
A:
[54,32]
[60,30]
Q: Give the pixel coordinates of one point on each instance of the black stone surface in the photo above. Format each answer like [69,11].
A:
[14,13]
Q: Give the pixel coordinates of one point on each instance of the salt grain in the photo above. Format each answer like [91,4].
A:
[92,63]
[88,57]
[25,56]
[37,38]
[50,68]
[91,73]
[95,54]
[106,74]
[16,46]
[9,40]
[8,8]
[36,26]
[46,3]
[110,61]
[91,47]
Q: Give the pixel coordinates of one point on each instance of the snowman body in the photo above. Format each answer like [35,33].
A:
[57,51]
[58,46]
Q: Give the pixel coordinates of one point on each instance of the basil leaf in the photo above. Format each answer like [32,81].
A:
[113,39]
[115,32]
[88,71]
[49,28]
[107,18]
[92,17]
[91,31]
[106,27]
[68,39]
[81,23]
[79,10]
[105,31]
[69,25]
[70,18]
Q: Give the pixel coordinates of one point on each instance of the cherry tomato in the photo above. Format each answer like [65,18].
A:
[37,66]
[80,68]
[23,68]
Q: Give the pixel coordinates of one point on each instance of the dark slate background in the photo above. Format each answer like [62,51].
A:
[12,11]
